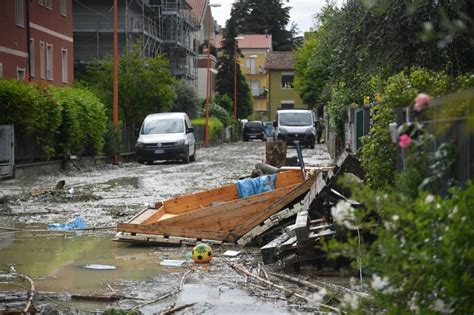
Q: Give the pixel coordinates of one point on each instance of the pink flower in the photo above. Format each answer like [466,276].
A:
[404,141]
[421,101]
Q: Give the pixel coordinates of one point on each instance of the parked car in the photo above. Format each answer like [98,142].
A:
[254,130]
[166,136]
[296,125]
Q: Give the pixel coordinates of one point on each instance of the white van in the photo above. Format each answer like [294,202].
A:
[166,136]
[295,125]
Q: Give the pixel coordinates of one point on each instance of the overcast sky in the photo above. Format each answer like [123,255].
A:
[302,12]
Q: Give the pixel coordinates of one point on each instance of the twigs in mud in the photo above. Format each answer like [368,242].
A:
[271,284]
[44,296]
[321,284]
[183,279]
[181,285]
[173,309]
[31,291]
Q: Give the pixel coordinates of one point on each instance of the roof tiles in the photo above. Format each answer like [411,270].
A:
[263,41]
[280,60]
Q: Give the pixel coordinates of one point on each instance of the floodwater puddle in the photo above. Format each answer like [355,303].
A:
[56,261]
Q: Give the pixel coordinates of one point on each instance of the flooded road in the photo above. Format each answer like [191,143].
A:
[106,195]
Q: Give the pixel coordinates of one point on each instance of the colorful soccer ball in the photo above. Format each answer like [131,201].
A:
[202,253]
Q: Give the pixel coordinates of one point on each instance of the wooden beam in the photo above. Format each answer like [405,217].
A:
[171,231]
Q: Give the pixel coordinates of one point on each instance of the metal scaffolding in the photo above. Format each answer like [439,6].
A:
[158,26]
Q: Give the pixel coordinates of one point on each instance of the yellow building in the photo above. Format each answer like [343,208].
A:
[280,70]
[254,48]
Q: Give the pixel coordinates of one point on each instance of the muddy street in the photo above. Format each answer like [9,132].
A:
[105,195]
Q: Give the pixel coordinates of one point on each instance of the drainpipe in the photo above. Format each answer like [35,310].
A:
[28,38]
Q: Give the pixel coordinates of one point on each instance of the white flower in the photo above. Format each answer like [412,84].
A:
[453,212]
[395,217]
[343,214]
[402,241]
[429,199]
[441,307]
[378,283]
[389,290]
[412,306]
[350,300]
[389,225]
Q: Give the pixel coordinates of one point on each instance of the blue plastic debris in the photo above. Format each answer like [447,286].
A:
[254,186]
[78,223]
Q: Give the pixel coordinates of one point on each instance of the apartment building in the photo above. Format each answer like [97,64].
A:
[207,28]
[280,68]
[255,49]
[157,26]
[36,41]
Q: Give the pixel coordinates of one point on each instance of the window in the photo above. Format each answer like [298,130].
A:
[19,13]
[63,5]
[64,64]
[20,73]
[32,57]
[254,84]
[250,63]
[287,80]
[49,62]
[42,61]
[1,69]
[48,4]
[41,2]
[287,104]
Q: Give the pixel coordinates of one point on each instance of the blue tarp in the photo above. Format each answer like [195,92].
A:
[254,186]
[78,223]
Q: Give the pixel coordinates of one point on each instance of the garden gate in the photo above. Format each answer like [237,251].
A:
[7,152]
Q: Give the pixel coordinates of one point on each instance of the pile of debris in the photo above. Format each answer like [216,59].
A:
[313,222]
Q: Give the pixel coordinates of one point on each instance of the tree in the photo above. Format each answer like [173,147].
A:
[362,40]
[186,100]
[266,17]
[145,84]
[226,64]
[314,59]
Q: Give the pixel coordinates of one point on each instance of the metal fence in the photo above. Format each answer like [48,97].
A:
[446,128]
[456,129]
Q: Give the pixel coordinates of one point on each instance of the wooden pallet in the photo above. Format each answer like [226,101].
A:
[137,238]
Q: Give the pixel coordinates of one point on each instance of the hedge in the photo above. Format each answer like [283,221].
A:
[59,120]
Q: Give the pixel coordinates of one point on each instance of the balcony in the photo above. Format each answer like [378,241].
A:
[259,92]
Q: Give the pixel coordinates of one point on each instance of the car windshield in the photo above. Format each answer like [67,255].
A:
[254,124]
[295,119]
[161,126]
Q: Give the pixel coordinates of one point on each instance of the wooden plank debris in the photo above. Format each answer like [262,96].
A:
[314,221]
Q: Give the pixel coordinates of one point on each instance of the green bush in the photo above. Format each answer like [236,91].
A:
[220,113]
[60,120]
[83,120]
[423,256]
[215,127]
[378,152]
[399,90]
[33,111]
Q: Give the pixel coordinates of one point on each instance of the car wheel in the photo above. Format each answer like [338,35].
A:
[186,158]
[246,139]
[141,161]
[193,157]
[311,146]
